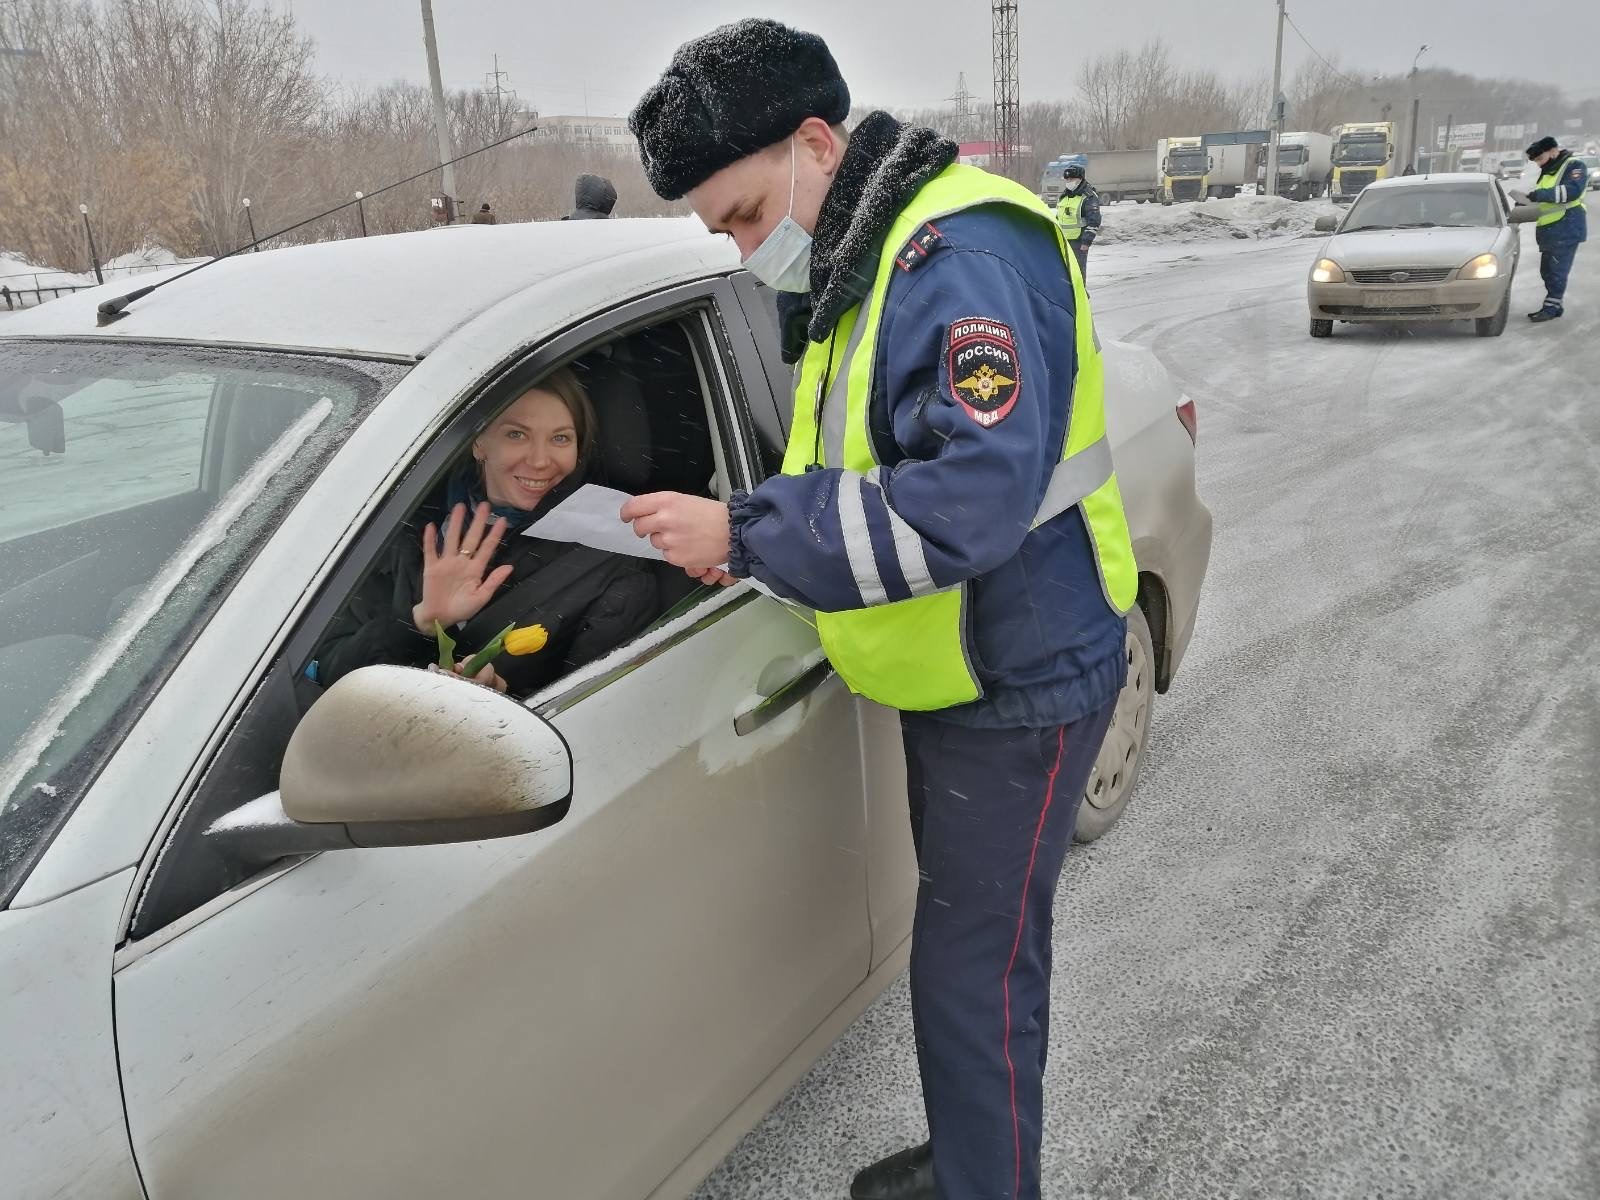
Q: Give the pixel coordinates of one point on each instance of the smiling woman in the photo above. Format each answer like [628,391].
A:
[474,572]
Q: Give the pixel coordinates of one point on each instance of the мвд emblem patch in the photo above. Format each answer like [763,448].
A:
[985,373]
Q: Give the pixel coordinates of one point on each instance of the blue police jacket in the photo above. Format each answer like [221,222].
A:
[1048,646]
[1573,184]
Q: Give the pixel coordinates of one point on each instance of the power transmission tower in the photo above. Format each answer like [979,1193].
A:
[503,96]
[1007,111]
[963,107]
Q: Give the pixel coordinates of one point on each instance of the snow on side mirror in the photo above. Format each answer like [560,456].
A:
[401,756]
[1327,224]
[395,756]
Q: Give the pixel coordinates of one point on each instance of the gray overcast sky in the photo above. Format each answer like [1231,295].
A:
[909,52]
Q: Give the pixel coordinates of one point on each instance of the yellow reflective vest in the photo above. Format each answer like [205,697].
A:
[1069,215]
[1549,213]
[913,654]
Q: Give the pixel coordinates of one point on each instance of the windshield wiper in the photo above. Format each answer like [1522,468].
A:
[1366,228]
[1418,225]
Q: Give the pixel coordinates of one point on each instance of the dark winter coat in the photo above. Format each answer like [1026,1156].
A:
[589,601]
[594,198]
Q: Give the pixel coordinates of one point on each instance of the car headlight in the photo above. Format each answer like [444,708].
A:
[1327,271]
[1485,266]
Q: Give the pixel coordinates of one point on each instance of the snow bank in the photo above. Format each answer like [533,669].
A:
[18,272]
[1243,218]
[146,258]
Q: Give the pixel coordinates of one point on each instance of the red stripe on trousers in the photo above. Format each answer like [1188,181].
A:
[1022,917]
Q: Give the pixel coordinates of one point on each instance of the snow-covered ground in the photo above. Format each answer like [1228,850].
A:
[18,274]
[1243,218]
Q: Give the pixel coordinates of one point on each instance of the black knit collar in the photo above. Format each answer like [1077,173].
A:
[885,164]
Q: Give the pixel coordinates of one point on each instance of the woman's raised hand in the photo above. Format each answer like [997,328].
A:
[454,584]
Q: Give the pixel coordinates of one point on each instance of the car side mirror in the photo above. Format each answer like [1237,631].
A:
[1326,224]
[396,756]
[1522,214]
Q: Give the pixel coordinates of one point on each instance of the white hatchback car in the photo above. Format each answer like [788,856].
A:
[571,945]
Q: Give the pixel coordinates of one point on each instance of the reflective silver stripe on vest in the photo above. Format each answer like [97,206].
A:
[858,539]
[908,549]
[1075,479]
[836,407]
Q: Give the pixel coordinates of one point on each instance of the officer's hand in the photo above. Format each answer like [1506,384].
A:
[691,531]
[715,577]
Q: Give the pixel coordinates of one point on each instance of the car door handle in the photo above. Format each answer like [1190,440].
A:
[787,696]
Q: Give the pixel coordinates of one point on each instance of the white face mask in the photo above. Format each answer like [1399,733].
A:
[783,260]
[1073,184]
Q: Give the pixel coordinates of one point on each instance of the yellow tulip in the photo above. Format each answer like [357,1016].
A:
[528,640]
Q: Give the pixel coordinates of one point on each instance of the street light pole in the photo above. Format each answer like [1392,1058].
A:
[440,123]
[1276,135]
[94,254]
[250,221]
[1416,111]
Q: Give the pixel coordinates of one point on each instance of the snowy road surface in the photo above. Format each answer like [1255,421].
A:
[1346,942]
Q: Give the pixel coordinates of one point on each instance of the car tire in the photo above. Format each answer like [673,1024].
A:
[1116,767]
[1496,325]
[1321,328]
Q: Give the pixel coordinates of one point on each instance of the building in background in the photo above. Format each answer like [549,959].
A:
[598,131]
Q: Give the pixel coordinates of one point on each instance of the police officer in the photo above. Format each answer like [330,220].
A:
[1563,220]
[947,506]
[1078,213]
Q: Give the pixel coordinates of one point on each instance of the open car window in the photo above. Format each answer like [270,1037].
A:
[660,424]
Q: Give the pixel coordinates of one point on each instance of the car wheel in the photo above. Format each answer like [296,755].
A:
[1321,328]
[1116,769]
[1496,325]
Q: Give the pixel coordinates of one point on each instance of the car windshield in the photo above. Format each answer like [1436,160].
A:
[1351,153]
[1187,162]
[1053,172]
[136,482]
[1291,156]
[1423,206]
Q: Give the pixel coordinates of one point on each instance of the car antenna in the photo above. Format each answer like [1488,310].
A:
[115,309]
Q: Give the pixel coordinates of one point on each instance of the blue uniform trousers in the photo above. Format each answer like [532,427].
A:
[992,815]
[1555,266]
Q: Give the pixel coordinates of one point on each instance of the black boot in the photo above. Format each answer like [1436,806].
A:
[904,1176]
[1544,314]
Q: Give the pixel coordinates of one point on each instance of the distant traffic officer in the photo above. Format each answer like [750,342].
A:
[1078,214]
[1563,220]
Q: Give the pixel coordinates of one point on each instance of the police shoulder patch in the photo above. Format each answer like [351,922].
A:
[918,247]
[985,371]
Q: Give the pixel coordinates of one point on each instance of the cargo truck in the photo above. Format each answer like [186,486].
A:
[1115,174]
[1193,171]
[1363,152]
[1305,165]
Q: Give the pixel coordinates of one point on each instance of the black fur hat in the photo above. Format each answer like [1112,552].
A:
[1543,146]
[729,93]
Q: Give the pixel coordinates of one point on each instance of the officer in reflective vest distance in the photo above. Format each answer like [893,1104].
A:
[1078,214]
[948,507]
[1563,220]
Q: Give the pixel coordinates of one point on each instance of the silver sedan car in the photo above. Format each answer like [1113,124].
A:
[1420,248]
[404,936]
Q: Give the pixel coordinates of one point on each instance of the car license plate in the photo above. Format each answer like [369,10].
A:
[1398,298]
